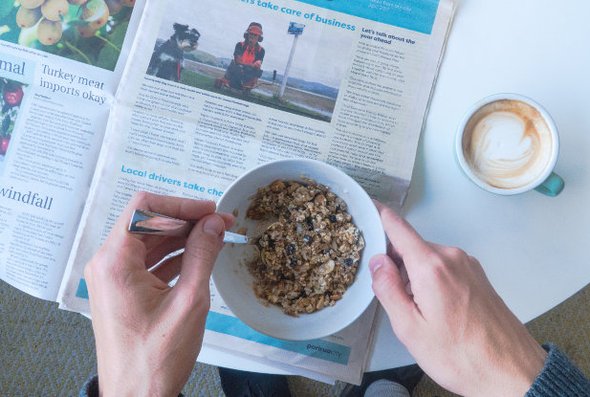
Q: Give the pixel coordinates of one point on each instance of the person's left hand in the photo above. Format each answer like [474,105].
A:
[148,335]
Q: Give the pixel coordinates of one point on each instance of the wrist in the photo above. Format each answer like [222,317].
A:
[517,369]
[131,385]
[135,373]
[531,366]
[122,376]
[118,382]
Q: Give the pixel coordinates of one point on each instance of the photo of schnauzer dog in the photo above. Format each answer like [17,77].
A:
[166,61]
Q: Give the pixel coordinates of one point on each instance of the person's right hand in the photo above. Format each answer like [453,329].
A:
[148,334]
[445,311]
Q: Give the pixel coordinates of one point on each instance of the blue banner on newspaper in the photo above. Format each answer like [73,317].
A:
[82,290]
[317,348]
[408,14]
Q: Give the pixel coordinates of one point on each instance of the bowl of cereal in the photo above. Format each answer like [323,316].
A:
[313,230]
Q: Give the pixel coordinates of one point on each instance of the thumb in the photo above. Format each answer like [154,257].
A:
[202,247]
[390,290]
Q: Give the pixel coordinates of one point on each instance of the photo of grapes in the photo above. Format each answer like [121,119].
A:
[12,97]
[88,31]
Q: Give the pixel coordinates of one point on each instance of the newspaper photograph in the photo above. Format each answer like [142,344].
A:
[272,61]
[90,31]
[12,96]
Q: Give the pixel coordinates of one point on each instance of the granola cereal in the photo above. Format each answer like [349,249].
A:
[311,252]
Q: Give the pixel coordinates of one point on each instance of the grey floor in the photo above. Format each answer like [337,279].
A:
[45,351]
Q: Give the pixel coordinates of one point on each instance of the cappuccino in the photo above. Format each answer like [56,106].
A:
[508,144]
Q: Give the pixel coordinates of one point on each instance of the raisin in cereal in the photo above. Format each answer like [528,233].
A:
[310,254]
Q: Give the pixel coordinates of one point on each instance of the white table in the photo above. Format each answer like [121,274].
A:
[534,248]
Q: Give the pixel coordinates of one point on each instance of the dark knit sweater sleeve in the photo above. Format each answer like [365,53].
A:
[90,388]
[559,377]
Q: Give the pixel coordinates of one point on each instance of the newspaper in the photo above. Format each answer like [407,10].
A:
[56,100]
[180,98]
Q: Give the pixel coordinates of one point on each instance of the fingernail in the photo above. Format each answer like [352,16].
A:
[214,226]
[375,263]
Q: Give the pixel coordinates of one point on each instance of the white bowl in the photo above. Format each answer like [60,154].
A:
[235,284]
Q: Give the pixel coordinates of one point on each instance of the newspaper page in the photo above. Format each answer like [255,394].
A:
[214,88]
[60,65]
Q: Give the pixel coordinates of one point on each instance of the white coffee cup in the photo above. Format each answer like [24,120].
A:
[508,144]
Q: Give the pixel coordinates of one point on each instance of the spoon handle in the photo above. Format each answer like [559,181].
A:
[149,222]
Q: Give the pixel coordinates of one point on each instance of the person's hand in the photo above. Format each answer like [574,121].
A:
[148,334]
[445,311]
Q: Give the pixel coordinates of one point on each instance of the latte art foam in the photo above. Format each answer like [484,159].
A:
[507,144]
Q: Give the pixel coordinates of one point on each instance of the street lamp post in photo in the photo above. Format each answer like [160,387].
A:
[296,29]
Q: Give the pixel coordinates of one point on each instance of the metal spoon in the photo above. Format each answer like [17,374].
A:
[149,222]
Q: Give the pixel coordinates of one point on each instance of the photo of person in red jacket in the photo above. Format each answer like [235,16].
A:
[246,67]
